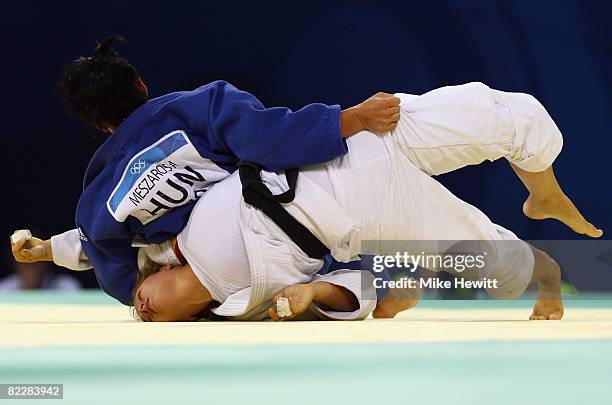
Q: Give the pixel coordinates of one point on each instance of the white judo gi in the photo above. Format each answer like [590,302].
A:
[386,181]
[381,191]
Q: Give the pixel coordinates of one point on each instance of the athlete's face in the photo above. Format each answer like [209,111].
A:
[166,296]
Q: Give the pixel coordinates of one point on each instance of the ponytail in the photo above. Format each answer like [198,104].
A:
[105,49]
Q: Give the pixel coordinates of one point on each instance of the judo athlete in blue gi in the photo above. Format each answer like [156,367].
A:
[185,141]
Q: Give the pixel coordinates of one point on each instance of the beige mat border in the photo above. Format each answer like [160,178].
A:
[44,325]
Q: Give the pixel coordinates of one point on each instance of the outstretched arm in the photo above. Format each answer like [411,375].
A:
[64,250]
[239,127]
[341,295]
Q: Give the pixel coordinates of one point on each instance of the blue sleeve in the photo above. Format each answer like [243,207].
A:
[116,267]
[108,246]
[276,138]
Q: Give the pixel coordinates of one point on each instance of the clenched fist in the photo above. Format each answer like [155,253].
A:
[379,113]
[300,297]
[32,250]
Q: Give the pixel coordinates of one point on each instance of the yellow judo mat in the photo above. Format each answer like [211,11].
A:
[440,352]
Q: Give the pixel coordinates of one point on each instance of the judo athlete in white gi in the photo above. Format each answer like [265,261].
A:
[382,190]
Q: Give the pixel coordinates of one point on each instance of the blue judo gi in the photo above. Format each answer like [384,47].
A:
[142,183]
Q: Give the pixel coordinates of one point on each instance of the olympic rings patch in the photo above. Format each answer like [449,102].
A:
[138,166]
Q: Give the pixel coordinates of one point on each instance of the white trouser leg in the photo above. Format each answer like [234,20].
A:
[398,204]
[452,127]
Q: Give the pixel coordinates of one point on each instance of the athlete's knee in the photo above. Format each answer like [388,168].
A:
[479,86]
[509,288]
[512,270]
[538,141]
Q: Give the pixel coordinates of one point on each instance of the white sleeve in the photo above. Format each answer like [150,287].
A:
[68,252]
[359,283]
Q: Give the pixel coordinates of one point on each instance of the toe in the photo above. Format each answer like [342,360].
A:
[580,225]
[593,232]
[555,316]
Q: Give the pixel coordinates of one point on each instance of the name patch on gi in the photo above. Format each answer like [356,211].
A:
[165,175]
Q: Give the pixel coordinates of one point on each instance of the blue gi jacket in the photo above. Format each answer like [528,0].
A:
[142,183]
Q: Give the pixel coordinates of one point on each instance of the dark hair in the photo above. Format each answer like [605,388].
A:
[101,89]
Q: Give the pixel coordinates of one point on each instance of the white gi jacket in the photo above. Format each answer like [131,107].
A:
[275,261]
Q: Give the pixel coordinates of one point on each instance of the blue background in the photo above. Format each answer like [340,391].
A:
[294,53]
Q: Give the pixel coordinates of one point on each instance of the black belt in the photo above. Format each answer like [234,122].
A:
[259,196]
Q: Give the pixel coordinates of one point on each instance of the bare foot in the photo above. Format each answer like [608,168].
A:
[396,301]
[548,304]
[547,273]
[560,207]
[547,310]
